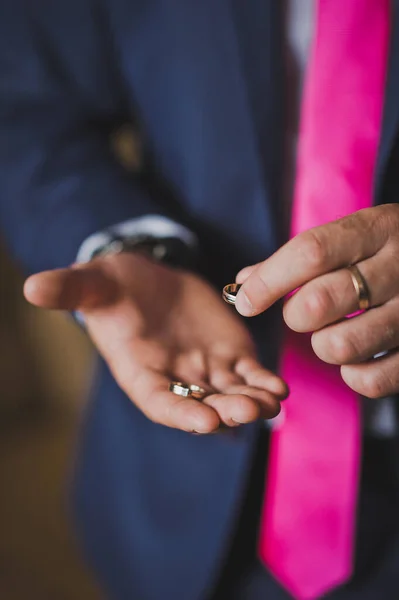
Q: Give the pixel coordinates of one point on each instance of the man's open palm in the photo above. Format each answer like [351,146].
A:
[153,324]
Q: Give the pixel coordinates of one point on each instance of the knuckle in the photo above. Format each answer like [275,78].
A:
[312,249]
[373,384]
[262,276]
[318,303]
[343,348]
[390,334]
[391,213]
[386,221]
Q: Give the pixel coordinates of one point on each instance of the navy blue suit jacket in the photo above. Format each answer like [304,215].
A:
[202,81]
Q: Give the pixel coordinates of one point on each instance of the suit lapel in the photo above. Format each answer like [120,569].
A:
[258,27]
[240,144]
[389,136]
[391,110]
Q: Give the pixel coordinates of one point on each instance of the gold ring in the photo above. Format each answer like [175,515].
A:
[360,285]
[180,388]
[197,391]
[184,389]
[230,292]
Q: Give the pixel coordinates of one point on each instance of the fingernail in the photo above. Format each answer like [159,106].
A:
[243,304]
[200,429]
[194,432]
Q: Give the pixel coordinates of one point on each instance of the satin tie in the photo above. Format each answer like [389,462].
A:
[308,520]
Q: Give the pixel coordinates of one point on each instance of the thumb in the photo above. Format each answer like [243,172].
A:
[80,287]
[246,272]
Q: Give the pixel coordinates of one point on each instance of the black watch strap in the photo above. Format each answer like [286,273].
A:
[168,250]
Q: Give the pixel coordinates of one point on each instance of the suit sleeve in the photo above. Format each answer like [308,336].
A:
[59,180]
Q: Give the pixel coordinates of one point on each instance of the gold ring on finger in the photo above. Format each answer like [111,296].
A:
[361,287]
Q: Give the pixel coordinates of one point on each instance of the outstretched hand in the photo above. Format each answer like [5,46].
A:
[153,324]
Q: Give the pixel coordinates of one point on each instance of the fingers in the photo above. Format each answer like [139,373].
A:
[74,288]
[331,297]
[243,404]
[360,338]
[222,373]
[235,407]
[142,369]
[191,366]
[248,390]
[314,253]
[150,391]
[148,387]
[257,376]
[374,379]
[238,393]
[245,273]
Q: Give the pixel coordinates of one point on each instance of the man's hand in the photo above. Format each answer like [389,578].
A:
[315,262]
[153,324]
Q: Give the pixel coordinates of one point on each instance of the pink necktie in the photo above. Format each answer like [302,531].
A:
[307,528]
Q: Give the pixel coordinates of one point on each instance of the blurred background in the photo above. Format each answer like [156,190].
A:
[46,369]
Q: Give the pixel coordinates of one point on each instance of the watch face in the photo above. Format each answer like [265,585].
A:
[160,251]
[168,250]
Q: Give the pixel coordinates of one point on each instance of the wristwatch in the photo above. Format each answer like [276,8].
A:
[168,250]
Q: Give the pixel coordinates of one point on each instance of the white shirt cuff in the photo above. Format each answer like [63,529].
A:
[155,225]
